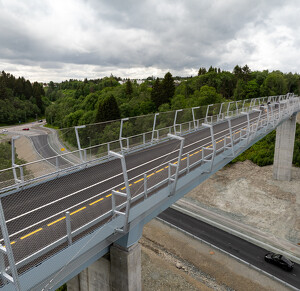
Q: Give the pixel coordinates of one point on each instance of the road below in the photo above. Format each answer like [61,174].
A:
[240,248]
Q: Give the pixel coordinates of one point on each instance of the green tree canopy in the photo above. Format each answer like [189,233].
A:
[108,109]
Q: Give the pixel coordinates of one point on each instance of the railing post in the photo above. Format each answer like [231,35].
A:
[68,226]
[194,119]
[78,140]
[127,195]
[57,163]
[210,126]
[220,111]
[228,108]
[206,121]
[181,139]
[231,136]
[258,120]
[175,119]
[9,252]
[13,155]
[153,129]
[121,132]
[188,162]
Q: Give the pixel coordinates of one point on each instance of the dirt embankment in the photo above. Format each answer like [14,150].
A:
[248,194]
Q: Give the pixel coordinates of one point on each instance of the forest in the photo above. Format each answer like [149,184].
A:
[20,100]
[77,102]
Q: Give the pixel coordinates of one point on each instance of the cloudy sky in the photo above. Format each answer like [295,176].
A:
[73,39]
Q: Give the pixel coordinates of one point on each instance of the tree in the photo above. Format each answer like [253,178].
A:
[202,71]
[108,109]
[167,88]
[128,88]
[274,84]
[156,93]
[3,93]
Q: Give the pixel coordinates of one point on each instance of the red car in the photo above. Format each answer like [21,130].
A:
[26,128]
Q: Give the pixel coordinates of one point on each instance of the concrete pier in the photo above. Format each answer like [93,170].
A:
[119,271]
[95,277]
[126,268]
[284,148]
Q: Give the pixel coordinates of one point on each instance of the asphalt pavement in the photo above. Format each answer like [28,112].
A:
[42,146]
[231,244]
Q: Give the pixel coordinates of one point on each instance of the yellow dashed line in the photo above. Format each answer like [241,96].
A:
[108,195]
[123,188]
[166,167]
[138,181]
[175,163]
[96,201]
[29,234]
[160,170]
[78,210]
[56,221]
[150,175]
[13,242]
[184,159]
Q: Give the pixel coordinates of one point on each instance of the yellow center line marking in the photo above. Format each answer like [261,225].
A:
[184,159]
[175,163]
[123,188]
[108,195]
[160,170]
[130,185]
[196,152]
[56,221]
[13,242]
[96,201]
[150,175]
[138,181]
[166,167]
[29,234]
[78,210]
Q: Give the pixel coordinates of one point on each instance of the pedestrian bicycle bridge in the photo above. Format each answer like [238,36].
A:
[55,224]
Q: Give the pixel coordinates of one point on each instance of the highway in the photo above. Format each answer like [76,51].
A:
[36,216]
[231,244]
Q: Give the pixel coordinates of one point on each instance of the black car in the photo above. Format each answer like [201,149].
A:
[280,261]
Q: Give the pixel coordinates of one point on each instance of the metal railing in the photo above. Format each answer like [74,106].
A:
[180,160]
[92,155]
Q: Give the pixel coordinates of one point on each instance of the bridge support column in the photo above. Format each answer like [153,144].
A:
[284,148]
[126,267]
[93,278]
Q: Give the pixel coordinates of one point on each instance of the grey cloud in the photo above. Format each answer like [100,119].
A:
[126,34]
